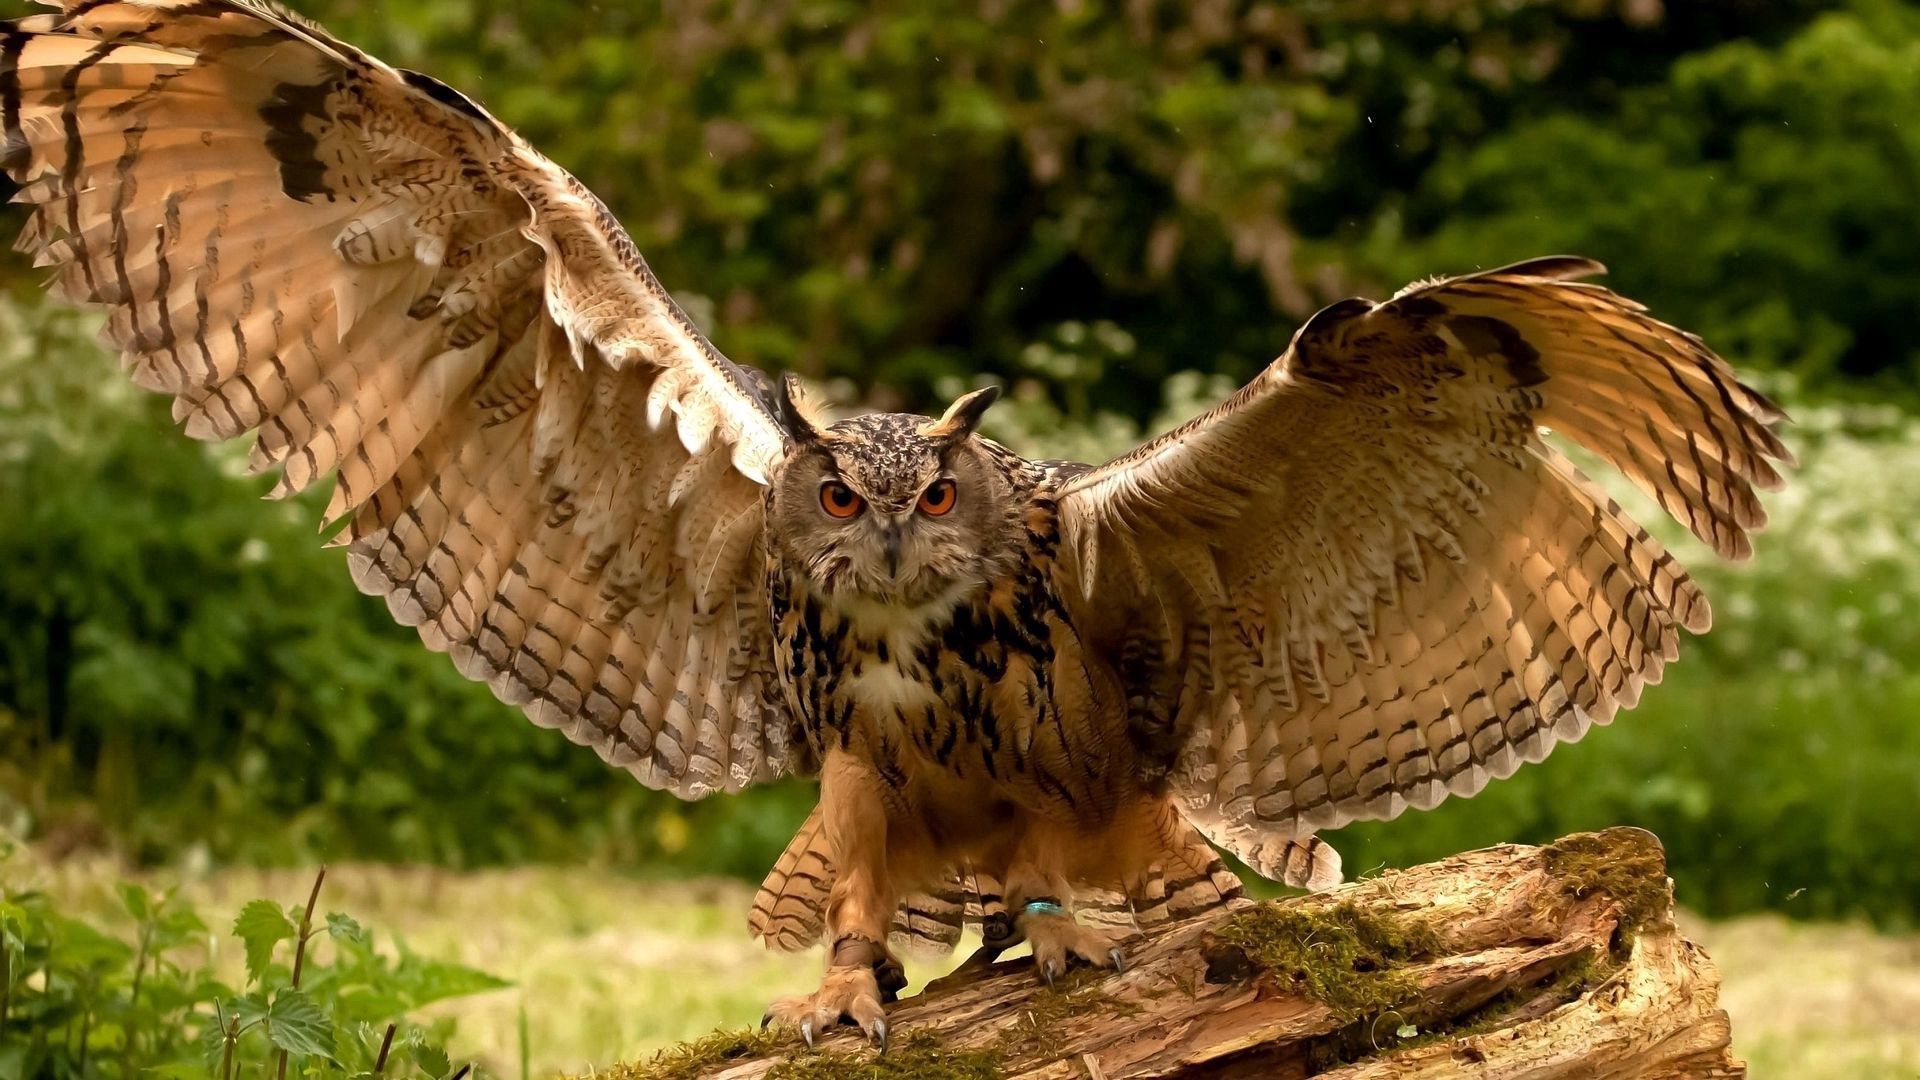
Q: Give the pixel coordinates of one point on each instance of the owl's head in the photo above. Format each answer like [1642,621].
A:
[890,507]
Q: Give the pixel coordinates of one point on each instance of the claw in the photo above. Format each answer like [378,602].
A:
[1046,972]
[806,1031]
[1119,961]
[891,978]
[880,1035]
[765,1019]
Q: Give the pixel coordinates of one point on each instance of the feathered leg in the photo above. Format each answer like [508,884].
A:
[860,907]
[1041,899]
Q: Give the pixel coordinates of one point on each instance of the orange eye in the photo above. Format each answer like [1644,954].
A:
[938,499]
[839,500]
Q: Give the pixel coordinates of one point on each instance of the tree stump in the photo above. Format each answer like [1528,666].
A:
[1556,961]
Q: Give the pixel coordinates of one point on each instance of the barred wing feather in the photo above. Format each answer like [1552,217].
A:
[538,460]
[1365,582]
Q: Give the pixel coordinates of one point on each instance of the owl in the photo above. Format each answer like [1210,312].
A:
[1040,696]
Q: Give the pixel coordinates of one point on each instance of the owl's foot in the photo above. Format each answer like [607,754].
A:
[848,995]
[1059,942]
[863,979]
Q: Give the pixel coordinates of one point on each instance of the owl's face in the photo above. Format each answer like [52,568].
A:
[891,508]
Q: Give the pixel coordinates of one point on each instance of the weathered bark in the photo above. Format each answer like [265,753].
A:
[1541,962]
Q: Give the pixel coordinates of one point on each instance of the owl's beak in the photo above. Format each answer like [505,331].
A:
[890,539]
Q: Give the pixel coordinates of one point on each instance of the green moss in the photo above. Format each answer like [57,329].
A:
[917,1056]
[1344,956]
[688,1060]
[1627,865]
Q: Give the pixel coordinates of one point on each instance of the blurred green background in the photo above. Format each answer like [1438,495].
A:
[1120,211]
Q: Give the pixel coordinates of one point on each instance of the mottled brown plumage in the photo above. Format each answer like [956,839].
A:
[1363,583]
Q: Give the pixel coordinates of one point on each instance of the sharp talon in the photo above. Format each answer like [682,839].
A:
[1119,960]
[765,1019]
[1046,972]
[880,1034]
[806,1031]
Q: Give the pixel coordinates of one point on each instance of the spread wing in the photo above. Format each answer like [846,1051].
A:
[1365,582]
[538,460]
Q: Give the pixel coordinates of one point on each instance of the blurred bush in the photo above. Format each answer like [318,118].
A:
[1121,211]
[1761,196]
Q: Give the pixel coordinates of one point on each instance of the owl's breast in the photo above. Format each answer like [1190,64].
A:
[972,692]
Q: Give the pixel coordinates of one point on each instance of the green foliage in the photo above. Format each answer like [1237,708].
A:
[261,925]
[1760,195]
[78,1002]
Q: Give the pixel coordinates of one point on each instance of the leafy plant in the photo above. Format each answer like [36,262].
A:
[317,998]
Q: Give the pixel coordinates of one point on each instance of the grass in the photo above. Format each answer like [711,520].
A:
[609,968]
[1818,1000]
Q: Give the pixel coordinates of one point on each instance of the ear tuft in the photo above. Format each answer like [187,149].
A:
[791,396]
[962,416]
